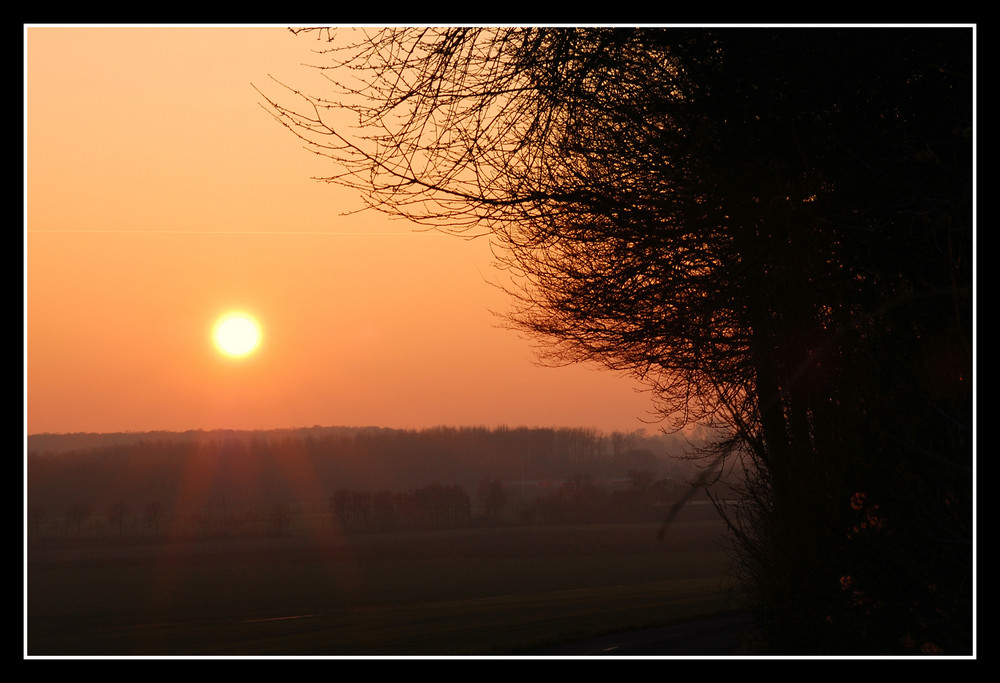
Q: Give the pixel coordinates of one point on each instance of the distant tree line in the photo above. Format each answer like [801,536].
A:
[435,506]
[227,471]
[369,479]
[579,499]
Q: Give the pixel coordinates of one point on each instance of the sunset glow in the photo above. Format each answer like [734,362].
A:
[160,194]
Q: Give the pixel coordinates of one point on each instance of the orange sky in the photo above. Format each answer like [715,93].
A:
[159,195]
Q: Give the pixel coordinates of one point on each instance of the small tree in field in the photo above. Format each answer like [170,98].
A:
[153,515]
[492,497]
[117,512]
[77,514]
[641,479]
[279,517]
[37,516]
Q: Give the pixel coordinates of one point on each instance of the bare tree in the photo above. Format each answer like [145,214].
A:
[492,497]
[116,514]
[37,516]
[771,229]
[77,514]
[153,514]
[641,479]
[279,517]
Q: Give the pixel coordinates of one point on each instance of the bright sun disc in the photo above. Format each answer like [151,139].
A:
[236,334]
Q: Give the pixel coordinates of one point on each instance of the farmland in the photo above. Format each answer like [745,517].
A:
[474,591]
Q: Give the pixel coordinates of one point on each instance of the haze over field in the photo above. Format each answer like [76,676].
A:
[161,197]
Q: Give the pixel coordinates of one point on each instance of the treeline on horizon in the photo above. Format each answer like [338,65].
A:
[277,471]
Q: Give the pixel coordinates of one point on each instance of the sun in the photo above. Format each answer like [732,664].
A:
[236,334]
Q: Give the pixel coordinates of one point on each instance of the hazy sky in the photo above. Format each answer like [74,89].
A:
[160,195]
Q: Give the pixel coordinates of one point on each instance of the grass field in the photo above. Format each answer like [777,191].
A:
[468,592]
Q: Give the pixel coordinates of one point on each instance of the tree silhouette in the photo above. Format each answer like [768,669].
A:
[279,516]
[37,516]
[77,514]
[116,515]
[492,497]
[153,514]
[772,229]
[641,479]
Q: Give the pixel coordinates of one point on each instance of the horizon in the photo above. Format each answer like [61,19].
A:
[640,431]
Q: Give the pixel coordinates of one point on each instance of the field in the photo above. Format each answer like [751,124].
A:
[462,592]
